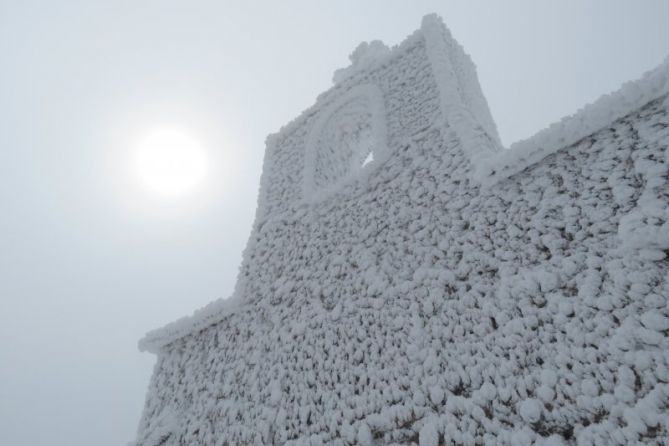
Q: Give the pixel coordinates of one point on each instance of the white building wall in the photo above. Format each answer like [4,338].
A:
[410,303]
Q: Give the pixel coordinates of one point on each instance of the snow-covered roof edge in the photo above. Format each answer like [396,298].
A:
[571,129]
[203,317]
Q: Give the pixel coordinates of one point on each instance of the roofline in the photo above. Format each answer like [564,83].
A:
[630,97]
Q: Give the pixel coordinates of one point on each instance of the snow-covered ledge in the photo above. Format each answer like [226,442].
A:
[571,129]
[210,314]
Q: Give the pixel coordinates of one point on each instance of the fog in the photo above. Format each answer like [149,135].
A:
[90,260]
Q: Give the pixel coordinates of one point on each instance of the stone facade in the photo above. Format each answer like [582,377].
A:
[408,281]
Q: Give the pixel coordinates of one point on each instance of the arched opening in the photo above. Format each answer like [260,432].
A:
[347,138]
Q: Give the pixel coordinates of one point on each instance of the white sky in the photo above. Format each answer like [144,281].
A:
[89,261]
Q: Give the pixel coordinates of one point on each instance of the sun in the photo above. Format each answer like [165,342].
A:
[170,162]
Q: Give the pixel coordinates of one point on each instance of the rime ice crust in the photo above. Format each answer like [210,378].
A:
[463,105]
[571,129]
[366,55]
[410,304]
[347,133]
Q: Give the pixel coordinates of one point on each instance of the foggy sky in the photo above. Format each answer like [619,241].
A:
[90,261]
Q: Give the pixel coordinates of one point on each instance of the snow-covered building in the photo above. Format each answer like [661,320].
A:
[410,281]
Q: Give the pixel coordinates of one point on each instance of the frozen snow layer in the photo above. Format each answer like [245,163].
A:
[420,309]
[630,97]
[407,304]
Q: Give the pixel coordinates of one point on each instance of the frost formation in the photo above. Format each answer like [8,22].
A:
[446,292]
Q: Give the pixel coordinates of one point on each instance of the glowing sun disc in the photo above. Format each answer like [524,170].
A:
[170,162]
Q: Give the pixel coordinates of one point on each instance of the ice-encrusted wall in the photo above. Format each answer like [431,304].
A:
[349,134]
[401,302]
